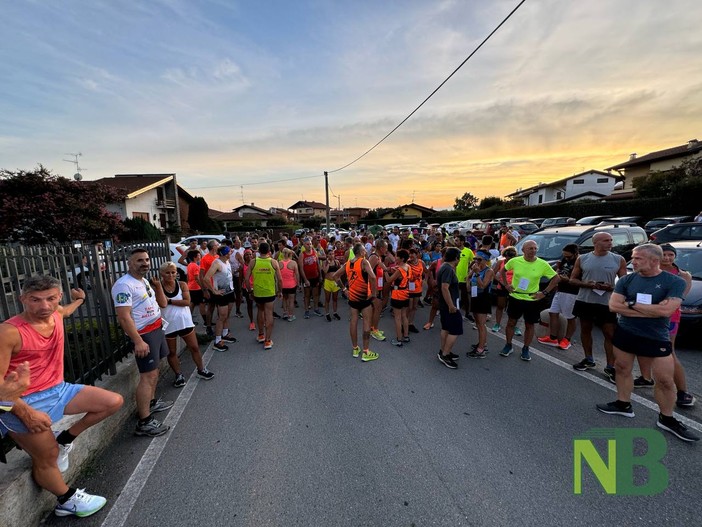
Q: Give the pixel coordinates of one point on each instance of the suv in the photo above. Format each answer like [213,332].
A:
[677,232]
[552,240]
[593,220]
[659,223]
[469,226]
[557,222]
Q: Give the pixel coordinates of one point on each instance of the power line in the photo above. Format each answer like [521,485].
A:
[256,183]
[432,93]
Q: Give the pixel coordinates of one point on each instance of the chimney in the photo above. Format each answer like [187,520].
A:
[692,143]
[252,203]
[632,156]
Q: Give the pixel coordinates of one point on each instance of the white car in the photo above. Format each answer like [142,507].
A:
[451,226]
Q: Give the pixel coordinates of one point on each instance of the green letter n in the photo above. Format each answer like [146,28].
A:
[606,475]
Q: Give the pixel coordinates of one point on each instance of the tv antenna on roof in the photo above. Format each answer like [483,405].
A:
[77,176]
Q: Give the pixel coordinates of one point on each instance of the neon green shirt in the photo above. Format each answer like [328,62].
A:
[527,276]
[463,264]
[263,278]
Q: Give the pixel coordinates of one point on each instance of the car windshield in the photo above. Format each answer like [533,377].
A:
[550,243]
[691,261]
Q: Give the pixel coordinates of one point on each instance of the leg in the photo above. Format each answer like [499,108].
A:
[43,449]
[679,375]
[145,392]
[509,330]
[553,325]
[412,310]
[586,337]
[98,404]
[480,319]
[269,319]
[173,360]
[449,341]
[608,332]
[570,328]
[528,332]
[501,303]
[405,321]
[398,322]
[327,301]
[335,301]
[625,382]
[367,315]
[353,327]
[261,318]
[664,389]
[191,341]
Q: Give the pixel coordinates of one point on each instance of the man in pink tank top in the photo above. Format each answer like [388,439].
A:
[36,336]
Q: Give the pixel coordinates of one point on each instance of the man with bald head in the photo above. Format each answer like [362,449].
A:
[595,274]
[525,294]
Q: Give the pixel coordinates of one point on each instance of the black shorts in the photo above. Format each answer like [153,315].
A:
[360,305]
[196,297]
[180,333]
[598,313]
[398,304]
[529,309]
[501,293]
[264,299]
[415,295]
[158,349]
[640,346]
[451,322]
[314,282]
[481,304]
[222,300]
[289,290]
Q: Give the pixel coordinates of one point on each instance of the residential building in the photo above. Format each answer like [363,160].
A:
[244,214]
[592,184]
[302,210]
[408,211]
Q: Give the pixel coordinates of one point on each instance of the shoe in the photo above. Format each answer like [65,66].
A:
[62,458]
[475,354]
[296,304]
[396,342]
[318,313]
[405,339]
[159,405]
[617,408]
[640,382]
[412,329]
[252,327]
[685,400]
[328,317]
[179,381]
[517,332]
[453,356]
[356,352]
[584,365]
[525,354]
[220,346]
[238,314]
[267,344]
[320,304]
[336,316]
[419,303]
[209,331]
[506,351]
[428,326]
[369,355]
[307,314]
[610,374]
[475,347]
[81,504]
[475,328]
[205,374]
[292,318]
[447,361]
[564,344]
[275,315]
[676,428]
[285,316]
[495,328]
[378,335]
[229,337]
[152,428]
[261,338]
[548,341]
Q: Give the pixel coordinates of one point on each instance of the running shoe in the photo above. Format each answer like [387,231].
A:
[159,405]
[675,427]
[548,341]
[428,326]
[517,332]
[525,354]
[453,356]
[292,318]
[447,361]
[179,381]
[396,342]
[564,344]
[220,346]
[81,504]
[610,373]
[617,408]
[261,338]
[252,327]
[641,382]
[62,458]
[356,351]
[495,328]
[229,337]
[328,317]
[506,351]
[285,316]
[378,335]
[275,315]
[336,316]
[267,344]
[412,329]
[307,314]
[584,365]
[238,314]
[475,347]
[318,313]
[205,374]
[369,355]
[685,400]
[209,331]
[405,339]
[475,354]
[152,428]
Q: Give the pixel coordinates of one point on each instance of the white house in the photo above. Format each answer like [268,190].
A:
[592,184]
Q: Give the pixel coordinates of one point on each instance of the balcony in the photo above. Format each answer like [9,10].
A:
[165,203]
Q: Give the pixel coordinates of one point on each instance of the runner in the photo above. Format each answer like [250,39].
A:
[464,263]
[267,284]
[196,295]
[433,290]
[308,263]
[205,264]
[399,297]
[501,292]
[376,262]
[289,274]
[416,285]
[480,279]
[331,289]
[563,301]
[247,287]
[449,304]
[219,282]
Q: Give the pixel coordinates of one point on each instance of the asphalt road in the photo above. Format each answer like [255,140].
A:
[306,435]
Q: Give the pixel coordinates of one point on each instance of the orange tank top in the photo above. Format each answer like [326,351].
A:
[400,289]
[359,289]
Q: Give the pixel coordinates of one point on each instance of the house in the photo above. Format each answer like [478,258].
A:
[243,214]
[592,184]
[151,197]
[277,211]
[307,209]
[351,215]
[409,211]
[660,160]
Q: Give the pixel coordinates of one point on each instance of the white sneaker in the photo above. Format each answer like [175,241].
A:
[62,459]
[81,504]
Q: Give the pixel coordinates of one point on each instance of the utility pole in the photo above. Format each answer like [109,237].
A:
[326,191]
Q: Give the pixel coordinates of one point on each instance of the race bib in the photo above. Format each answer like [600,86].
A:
[523,284]
[412,286]
[643,298]
[474,290]
[380,282]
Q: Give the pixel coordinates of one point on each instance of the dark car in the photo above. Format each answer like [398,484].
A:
[557,222]
[525,228]
[537,221]
[633,220]
[677,232]
[659,223]
[593,220]
[689,258]
[552,240]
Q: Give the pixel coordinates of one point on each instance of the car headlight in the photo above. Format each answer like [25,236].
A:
[691,310]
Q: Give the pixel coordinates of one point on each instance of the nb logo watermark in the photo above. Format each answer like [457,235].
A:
[616,471]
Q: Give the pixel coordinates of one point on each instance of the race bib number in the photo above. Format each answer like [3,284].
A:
[380,282]
[523,284]
[643,298]
[474,290]
[412,286]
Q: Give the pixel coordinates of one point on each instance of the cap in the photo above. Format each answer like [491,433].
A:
[483,255]
[224,251]
[669,248]
[247,244]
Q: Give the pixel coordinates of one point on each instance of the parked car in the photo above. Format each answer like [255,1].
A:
[557,222]
[469,226]
[689,258]
[677,232]
[537,221]
[634,220]
[525,228]
[450,226]
[593,220]
[659,223]
[552,240]
[201,238]
[175,256]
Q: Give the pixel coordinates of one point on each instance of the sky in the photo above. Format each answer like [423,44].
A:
[251,101]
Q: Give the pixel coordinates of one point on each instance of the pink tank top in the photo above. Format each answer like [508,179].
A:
[288,275]
[45,354]
[676,316]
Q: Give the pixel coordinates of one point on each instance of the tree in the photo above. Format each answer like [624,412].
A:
[490,201]
[674,182]
[465,202]
[38,207]
[398,214]
[199,217]
[139,229]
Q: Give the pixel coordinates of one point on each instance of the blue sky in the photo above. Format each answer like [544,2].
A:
[233,93]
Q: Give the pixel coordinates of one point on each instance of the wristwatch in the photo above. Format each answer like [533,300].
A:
[6,406]
[631,303]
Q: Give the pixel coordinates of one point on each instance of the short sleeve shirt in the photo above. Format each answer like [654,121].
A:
[527,276]
[447,275]
[463,264]
[140,297]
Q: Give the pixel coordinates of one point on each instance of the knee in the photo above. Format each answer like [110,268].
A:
[622,368]
[115,403]
[666,383]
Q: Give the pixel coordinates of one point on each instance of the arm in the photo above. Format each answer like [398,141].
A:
[185,302]
[550,287]
[78,299]
[124,317]
[304,279]
[489,275]
[688,281]
[575,277]
[161,299]
[278,278]
[503,279]
[371,278]
[208,277]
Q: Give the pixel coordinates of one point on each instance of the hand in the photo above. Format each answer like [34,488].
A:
[307,283]
[141,349]
[77,294]
[452,310]
[35,421]
[534,295]
[155,283]
[15,383]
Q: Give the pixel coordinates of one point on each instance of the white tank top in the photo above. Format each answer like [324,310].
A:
[178,317]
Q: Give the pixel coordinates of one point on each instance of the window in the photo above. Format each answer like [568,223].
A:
[578,182]
[638,237]
[541,199]
[559,195]
[143,215]
[603,180]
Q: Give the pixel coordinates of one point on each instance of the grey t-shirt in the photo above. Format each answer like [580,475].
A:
[598,269]
[447,275]
[659,287]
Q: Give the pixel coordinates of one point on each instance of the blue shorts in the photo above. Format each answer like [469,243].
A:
[51,401]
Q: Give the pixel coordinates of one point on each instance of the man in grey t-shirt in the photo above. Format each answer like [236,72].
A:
[595,274]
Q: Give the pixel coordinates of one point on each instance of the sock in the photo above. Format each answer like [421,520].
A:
[554,337]
[623,404]
[666,419]
[225,332]
[218,339]
[64,498]
[65,438]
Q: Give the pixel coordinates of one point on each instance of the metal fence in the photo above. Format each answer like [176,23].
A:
[94,340]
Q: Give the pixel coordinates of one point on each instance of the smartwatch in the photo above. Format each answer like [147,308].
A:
[6,406]
[631,303]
